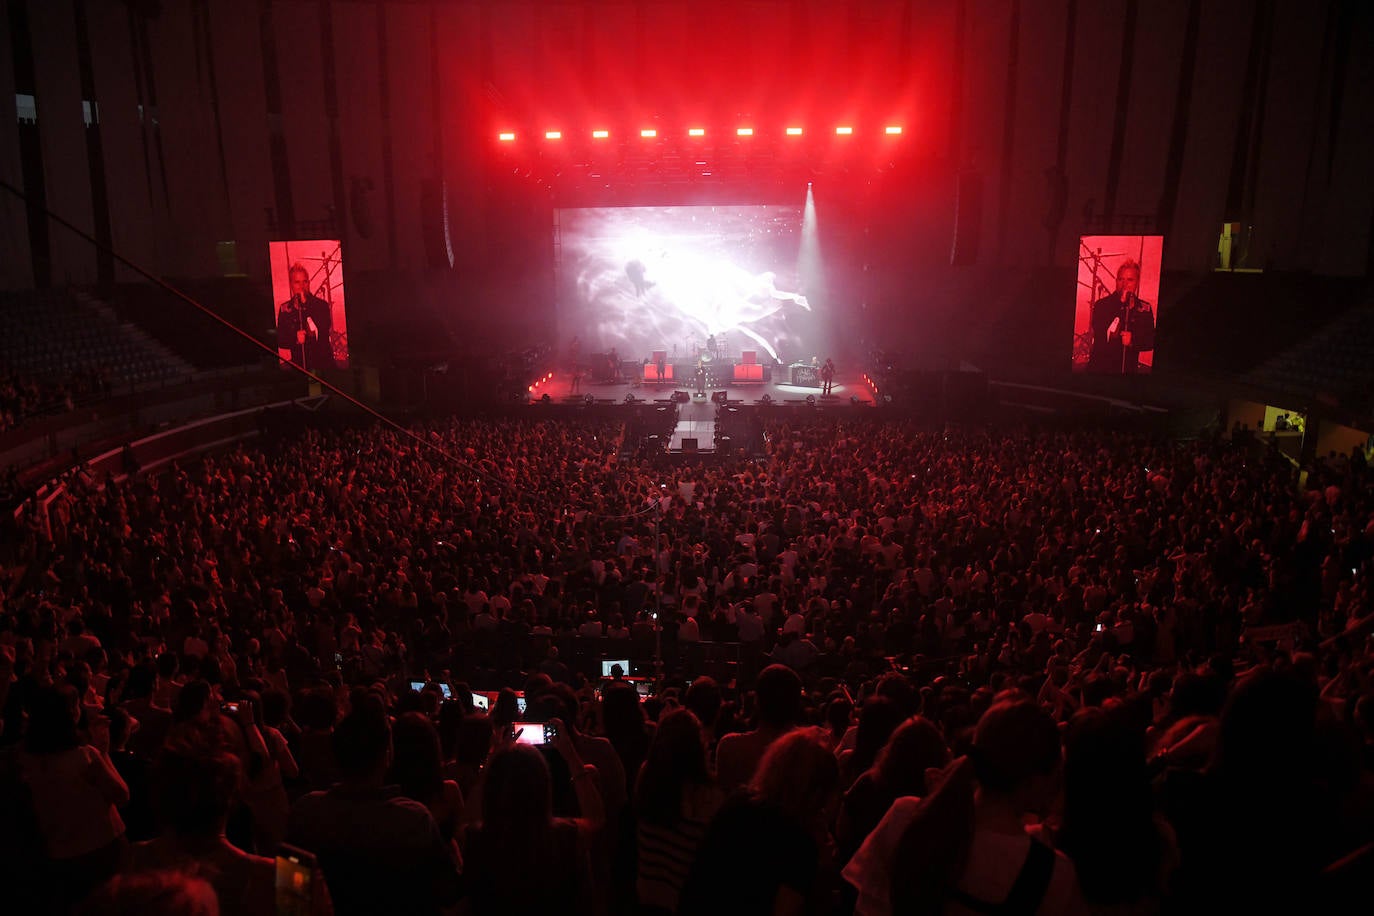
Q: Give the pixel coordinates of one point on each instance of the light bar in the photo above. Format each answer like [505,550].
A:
[553,135]
[794,131]
[600,134]
[892,131]
[696,132]
[506,136]
[745,131]
[844,131]
[648,132]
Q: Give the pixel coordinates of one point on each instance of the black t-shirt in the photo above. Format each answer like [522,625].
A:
[750,851]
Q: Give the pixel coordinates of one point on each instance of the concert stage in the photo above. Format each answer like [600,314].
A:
[773,388]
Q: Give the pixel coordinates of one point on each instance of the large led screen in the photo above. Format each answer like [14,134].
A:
[1118,304]
[684,280]
[308,291]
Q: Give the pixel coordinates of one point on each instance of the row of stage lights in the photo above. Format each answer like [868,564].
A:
[535,387]
[649,133]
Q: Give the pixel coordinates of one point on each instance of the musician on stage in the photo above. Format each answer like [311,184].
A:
[304,323]
[1123,326]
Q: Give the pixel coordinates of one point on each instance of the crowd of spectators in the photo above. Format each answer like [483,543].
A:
[22,398]
[1006,671]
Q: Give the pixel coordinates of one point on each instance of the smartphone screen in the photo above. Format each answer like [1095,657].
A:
[295,880]
[529,733]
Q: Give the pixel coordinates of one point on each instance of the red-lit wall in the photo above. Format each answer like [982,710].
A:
[204,173]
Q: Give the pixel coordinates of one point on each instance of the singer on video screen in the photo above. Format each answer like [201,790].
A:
[1123,326]
[303,325]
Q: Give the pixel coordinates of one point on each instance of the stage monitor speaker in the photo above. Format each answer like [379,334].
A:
[434,225]
[689,445]
[968,219]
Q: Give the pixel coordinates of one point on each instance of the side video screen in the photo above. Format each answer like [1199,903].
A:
[308,295]
[1117,309]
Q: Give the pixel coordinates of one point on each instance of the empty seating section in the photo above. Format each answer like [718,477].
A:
[191,334]
[53,335]
[1337,362]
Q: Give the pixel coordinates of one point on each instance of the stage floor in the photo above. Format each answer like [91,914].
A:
[561,389]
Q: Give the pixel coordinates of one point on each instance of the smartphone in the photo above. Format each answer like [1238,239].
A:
[417,686]
[229,709]
[295,881]
[534,733]
[1100,628]
[480,701]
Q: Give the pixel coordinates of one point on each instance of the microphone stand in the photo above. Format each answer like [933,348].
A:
[1126,328]
[300,327]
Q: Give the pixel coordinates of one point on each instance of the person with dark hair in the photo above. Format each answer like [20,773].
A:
[379,852]
[1267,750]
[623,724]
[965,846]
[417,769]
[470,749]
[914,748]
[675,799]
[518,836]
[878,719]
[560,702]
[764,851]
[195,789]
[76,793]
[777,696]
[315,714]
[506,709]
[140,701]
[1122,851]
[703,698]
[133,769]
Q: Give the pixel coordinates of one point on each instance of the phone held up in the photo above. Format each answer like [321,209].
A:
[296,876]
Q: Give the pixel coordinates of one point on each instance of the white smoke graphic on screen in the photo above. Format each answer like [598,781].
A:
[647,278]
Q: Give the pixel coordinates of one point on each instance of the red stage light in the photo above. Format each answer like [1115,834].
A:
[553,135]
[506,136]
[696,132]
[648,132]
[893,130]
[844,131]
[745,131]
[794,131]
[600,134]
